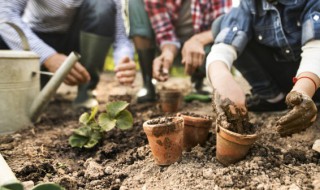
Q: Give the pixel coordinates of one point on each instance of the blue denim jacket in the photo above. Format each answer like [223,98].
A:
[284,29]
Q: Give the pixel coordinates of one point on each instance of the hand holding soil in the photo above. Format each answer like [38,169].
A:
[233,117]
[302,116]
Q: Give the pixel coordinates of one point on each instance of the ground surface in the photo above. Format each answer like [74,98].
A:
[124,160]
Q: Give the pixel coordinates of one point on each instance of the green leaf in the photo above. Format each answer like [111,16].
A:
[84,131]
[114,108]
[91,143]
[94,139]
[106,122]
[78,141]
[94,112]
[95,126]
[84,118]
[124,120]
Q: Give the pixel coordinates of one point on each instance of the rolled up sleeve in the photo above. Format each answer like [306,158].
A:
[236,28]
[311,21]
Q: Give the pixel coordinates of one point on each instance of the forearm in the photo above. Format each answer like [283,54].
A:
[122,45]
[11,11]
[306,83]
[309,71]
[217,73]
[169,49]
[204,37]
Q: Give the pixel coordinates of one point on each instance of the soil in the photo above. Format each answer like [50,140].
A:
[123,160]
[233,119]
[196,115]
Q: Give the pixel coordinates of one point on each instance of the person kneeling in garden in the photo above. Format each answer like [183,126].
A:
[55,28]
[275,44]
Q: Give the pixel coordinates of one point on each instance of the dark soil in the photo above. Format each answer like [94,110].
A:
[123,159]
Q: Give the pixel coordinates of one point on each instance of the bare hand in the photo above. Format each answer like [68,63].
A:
[302,116]
[192,55]
[161,66]
[126,71]
[77,75]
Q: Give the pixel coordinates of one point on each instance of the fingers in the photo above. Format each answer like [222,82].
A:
[126,80]
[285,131]
[294,98]
[192,61]
[290,117]
[70,80]
[161,67]
[157,66]
[82,74]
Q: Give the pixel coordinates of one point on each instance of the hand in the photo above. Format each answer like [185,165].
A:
[126,71]
[192,55]
[77,75]
[302,116]
[162,64]
[230,115]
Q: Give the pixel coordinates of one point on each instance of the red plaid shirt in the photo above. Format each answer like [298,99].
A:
[163,13]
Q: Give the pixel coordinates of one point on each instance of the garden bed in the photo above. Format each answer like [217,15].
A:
[124,160]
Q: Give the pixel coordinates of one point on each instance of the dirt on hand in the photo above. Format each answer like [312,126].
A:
[232,117]
[42,153]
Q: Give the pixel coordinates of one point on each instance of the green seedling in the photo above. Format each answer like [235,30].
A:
[92,128]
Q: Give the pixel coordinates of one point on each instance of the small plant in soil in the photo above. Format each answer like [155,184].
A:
[92,127]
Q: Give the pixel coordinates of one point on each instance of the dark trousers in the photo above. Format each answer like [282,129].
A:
[267,75]
[94,16]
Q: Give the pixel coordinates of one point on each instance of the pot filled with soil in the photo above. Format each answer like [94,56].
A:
[170,100]
[165,136]
[234,133]
[196,129]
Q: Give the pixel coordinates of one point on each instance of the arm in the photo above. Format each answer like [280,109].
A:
[304,111]
[161,23]
[193,52]
[11,11]
[123,51]
[122,45]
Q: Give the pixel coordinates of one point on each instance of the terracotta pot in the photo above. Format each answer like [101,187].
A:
[170,100]
[232,147]
[165,140]
[196,130]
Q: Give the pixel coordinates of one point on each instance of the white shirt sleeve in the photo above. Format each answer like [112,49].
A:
[310,58]
[221,52]
[11,11]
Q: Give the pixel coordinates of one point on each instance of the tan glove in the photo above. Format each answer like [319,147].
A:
[302,116]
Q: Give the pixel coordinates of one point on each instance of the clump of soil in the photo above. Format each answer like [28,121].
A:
[162,120]
[233,118]
[196,115]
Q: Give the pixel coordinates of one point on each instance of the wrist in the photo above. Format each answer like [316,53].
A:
[169,48]
[203,38]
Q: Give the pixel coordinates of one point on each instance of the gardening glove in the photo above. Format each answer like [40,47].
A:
[228,114]
[302,116]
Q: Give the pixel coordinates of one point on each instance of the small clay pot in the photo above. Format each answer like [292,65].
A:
[232,147]
[165,136]
[170,100]
[196,129]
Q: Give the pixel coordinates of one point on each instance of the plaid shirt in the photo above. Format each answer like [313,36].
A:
[164,13]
